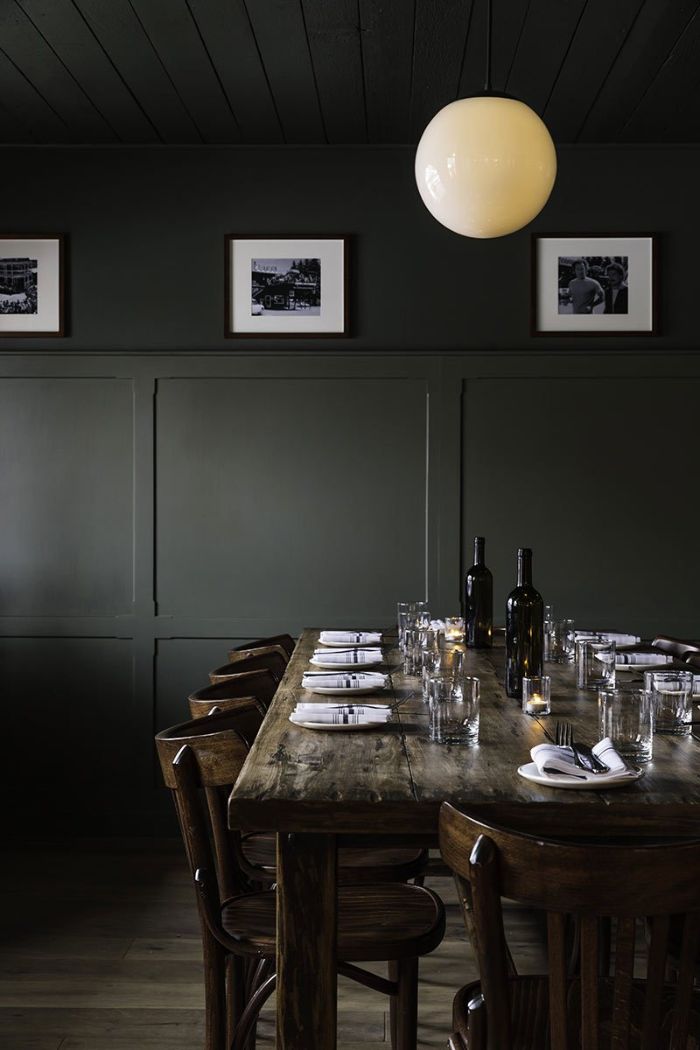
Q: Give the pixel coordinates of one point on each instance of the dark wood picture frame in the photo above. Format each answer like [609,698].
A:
[229,333]
[535,330]
[62,239]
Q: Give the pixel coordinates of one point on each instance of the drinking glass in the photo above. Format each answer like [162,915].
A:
[558,637]
[595,663]
[548,625]
[454,709]
[452,660]
[673,700]
[626,715]
[537,695]
[412,651]
[430,667]
[409,614]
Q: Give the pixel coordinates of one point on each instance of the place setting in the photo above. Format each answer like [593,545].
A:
[348,650]
[340,654]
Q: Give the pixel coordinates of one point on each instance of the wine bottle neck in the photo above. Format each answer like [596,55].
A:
[479,547]
[524,568]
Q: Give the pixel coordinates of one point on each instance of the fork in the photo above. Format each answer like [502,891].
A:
[583,755]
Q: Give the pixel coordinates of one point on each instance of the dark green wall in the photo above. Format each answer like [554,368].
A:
[162,493]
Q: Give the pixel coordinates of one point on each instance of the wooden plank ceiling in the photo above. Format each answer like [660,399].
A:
[340,71]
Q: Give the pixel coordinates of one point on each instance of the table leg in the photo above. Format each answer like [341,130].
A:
[306,942]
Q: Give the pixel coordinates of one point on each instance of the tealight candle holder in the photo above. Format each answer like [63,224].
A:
[454,629]
[537,695]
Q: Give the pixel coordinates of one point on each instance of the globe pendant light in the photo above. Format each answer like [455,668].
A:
[485,166]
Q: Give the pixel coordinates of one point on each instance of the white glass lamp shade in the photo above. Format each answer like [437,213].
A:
[485,166]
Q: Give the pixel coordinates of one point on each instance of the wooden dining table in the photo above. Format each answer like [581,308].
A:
[320,789]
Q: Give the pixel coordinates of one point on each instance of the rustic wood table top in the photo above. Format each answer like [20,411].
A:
[392,779]
[317,789]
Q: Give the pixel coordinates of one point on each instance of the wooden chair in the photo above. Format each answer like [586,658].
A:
[590,881]
[272,661]
[278,643]
[393,922]
[675,646]
[259,849]
[259,686]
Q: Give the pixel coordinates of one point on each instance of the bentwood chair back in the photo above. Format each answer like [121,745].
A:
[256,686]
[274,662]
[675,646]
[394,922]
[278,643]
[220,743]
[199,760]
[623,882]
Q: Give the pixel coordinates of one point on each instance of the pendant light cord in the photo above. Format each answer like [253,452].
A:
[489,27]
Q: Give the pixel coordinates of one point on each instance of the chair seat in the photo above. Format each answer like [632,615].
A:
[529,1014]
[356,864]
[378,922]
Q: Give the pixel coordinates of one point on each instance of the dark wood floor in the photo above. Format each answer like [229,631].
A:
[100,951]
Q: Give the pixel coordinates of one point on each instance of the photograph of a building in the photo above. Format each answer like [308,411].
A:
[279,285]
[18,291]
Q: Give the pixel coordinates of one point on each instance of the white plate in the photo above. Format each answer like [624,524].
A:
[361,690]
[349,645]
[641,667]
[345,667]
[554,780]
[346,727]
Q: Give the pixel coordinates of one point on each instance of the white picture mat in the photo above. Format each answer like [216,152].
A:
[640,279]
[332,255]
[47,253]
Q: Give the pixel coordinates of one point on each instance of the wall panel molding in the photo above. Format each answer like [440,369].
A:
[437,470]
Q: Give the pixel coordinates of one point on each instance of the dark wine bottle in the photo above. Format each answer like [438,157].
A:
[478,601]
[524,628]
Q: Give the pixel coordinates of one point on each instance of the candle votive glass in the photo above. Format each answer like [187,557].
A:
[595,663]
[626,715]
[672,692]
[454,630]
[454,709]
[537,695]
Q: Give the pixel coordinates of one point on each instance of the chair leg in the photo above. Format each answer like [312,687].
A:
[236,994]
[246,1026]
[214,993]
[393,975]
[407,1005]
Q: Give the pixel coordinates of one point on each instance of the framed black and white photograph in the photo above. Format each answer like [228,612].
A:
[31,285]
[594,285]
[285,287]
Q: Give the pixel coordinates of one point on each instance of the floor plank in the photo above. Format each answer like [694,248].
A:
[103,953]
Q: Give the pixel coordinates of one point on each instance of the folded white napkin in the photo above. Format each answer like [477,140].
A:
[348,656]
[349,680]
[643,658]
[351,637]
[552,759]
[341,714]
[612,636]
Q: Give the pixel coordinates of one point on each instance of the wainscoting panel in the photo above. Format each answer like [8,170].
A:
[593,474]
[157,508]
[71,728]
[66,505]
[289,497]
